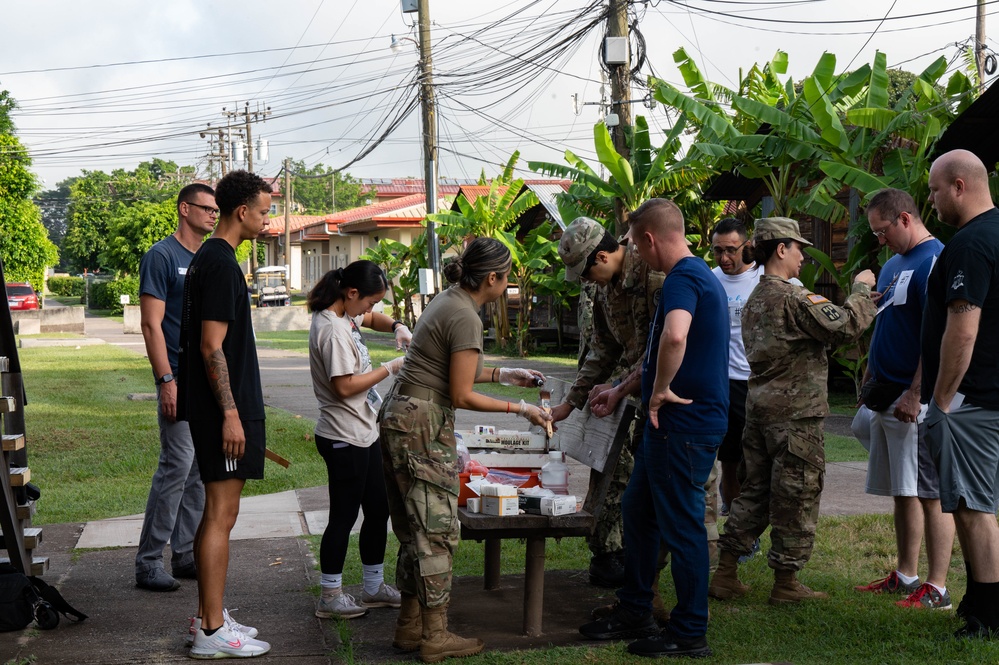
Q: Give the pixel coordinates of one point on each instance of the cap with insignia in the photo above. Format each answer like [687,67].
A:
[777,228]
[578,241]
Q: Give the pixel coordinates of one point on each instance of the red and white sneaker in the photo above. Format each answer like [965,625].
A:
[927,597]
[890,584]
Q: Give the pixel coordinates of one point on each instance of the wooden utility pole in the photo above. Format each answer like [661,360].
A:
[620,79]
[287,216]
[980,45]
[429,137]
[249,117]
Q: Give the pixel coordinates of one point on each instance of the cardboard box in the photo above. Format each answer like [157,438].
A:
[551,506]
[501,440]
[500,505]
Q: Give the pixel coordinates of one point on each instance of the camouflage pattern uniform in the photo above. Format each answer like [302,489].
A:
[786,330]
[622,311]
[584,320]
[420,459]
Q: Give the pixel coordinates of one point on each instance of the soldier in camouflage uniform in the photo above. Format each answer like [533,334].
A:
[786,330]
[419,450]
[624,300]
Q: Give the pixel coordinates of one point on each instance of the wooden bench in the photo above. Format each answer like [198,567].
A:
[535,529]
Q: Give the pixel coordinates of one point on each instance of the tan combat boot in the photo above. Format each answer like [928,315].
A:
[787,589]
[438,643]
[725,584]
[408,627]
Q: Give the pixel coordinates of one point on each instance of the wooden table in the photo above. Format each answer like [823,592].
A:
[535,529]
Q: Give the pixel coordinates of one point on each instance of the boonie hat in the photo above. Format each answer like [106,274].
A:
[578,241]
[778,228]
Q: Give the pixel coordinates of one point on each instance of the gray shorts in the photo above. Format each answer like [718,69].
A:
[899,463]
[964,444]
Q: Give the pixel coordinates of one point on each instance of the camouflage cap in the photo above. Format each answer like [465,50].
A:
[578,241]
[777,228]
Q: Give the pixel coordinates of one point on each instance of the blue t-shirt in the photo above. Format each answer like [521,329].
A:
[894,353]
[703,374]
[161,275]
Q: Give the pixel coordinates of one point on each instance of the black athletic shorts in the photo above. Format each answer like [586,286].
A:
[731,447]
[207,437]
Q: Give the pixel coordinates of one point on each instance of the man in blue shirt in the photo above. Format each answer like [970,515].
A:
[685,393]
[892,414]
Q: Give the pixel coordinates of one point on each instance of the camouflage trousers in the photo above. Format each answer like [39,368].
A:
[421,476]
[608,532]
[785,472]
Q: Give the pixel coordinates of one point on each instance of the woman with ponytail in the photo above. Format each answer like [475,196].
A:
[347,431]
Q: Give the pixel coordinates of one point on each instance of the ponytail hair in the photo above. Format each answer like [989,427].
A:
[365,276]
[481,257]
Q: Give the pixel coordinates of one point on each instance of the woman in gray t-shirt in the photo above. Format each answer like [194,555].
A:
[347,431]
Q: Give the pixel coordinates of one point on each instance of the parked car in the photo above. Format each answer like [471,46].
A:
[21,296]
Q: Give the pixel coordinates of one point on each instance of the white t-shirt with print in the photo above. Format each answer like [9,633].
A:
[738,288]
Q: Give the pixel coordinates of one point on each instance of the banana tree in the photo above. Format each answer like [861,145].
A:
[397,260]
[647,173]
[532,257]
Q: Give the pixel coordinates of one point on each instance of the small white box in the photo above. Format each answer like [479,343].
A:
[474,505]
[615,50]
[500,505]
[558,505]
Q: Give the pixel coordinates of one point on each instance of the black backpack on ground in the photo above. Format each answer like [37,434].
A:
[25,599]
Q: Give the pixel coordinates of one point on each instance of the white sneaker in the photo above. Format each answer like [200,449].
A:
[387,596]
[231,623]
[339,606]
[226,643]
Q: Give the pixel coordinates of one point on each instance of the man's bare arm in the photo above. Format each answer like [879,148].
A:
[956,347]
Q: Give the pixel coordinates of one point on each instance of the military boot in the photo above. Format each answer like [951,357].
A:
[725,585]
[408,627]
[607,570]
[787,589]
[438,643]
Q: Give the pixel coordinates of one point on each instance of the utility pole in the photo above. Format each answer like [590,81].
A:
[249,117]
[429,138]
[287,216]
[980,45]
[620,77]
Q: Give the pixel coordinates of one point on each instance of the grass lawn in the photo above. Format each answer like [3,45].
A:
[848,628]
[93,451]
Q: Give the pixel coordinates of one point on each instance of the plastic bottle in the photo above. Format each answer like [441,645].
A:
[555,474]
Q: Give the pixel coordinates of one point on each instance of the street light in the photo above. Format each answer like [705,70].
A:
[396,45]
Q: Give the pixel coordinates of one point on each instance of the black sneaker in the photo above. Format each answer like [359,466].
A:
[621,624]
[156,579]
[607,570]
[186,572]
[665,645]
[974,630]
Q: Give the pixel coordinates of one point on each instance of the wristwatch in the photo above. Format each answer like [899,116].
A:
[166,378]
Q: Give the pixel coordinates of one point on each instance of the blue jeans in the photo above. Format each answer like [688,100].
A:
[665,502]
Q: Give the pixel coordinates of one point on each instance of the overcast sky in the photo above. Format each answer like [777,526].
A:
[105,84]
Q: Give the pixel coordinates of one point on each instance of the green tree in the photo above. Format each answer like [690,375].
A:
[54,204]
[25,249]
[134,230]
[321,190]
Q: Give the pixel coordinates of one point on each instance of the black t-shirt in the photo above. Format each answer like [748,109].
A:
[215,290]
[967,269]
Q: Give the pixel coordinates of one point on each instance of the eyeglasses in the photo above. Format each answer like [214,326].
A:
[717,250]
[214,212]
[881,234]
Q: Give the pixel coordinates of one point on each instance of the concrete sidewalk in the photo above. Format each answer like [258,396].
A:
[273,574]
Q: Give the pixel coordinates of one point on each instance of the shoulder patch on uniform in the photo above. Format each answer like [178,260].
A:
[816,299]
[831,312]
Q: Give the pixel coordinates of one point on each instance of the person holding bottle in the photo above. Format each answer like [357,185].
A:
[443,364]
[347,432]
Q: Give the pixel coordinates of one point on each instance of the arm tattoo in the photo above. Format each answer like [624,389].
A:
[218,378]
[962,308]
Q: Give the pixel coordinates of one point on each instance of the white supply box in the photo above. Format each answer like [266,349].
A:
[485,437]
[552,506]
[499,500]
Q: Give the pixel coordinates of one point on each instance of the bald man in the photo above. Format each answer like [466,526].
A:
[961,377]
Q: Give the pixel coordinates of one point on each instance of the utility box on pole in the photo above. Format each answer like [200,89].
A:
[410,6]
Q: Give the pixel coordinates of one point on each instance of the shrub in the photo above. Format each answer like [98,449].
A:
[66,286]
[107,295]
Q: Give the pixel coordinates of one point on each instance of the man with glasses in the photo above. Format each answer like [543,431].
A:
[176,497]
[738,274]
[627,291]
[889,421]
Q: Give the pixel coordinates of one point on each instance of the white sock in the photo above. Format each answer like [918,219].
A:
[941,589]
[905,579]
[373,577]
[331,584]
